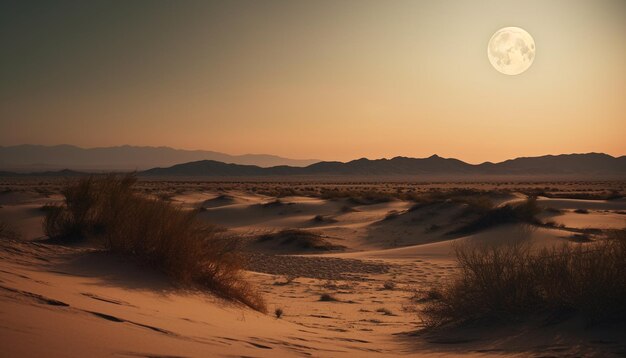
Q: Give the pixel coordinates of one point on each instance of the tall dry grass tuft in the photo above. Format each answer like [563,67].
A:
[512,281]
[108,209]
[90,205]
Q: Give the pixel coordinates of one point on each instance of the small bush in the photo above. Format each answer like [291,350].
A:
[327,297]
[512,281]
[278,312]
[107,209]
[427,295]
[389,285]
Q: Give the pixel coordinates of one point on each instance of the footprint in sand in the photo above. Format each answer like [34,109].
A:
[105,299]
[120,320]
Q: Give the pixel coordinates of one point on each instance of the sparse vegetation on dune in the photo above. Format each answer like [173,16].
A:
[301,239]
[596,195]
[475,201]
[524,212]
[358,197]
[413,191]
[108,209]
[512,281]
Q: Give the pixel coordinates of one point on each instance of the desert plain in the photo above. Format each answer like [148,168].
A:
[345,269]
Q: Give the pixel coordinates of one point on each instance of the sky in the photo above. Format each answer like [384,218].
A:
[330,80]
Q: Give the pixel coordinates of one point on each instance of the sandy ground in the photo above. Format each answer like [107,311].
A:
[61,301]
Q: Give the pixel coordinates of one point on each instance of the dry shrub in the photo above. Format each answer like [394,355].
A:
[512,281]
[327,297]
[278,312]
[90,204]
[167,237]
[476,202]
[358,197]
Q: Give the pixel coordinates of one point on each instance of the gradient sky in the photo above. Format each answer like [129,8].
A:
[333,80]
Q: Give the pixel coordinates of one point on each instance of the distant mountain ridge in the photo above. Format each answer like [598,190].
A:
[29,158]
[589,166]
[583,166]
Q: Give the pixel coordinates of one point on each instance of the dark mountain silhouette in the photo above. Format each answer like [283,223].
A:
[583,166]
[28,158]
[591,163]
[590,166]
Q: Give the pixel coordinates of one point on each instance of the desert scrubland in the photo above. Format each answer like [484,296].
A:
[312,269]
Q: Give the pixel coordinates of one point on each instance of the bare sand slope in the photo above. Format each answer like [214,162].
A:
[63,302]
[444,250]
[75,303]
[573,204]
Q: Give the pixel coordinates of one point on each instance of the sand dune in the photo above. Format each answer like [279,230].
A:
[75,302]
[573,204]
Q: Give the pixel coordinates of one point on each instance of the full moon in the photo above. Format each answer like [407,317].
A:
[511,50]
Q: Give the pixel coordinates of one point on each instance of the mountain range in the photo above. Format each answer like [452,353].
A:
[29,158]
[566,166]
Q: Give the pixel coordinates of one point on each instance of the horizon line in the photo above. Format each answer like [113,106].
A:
[305,159]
